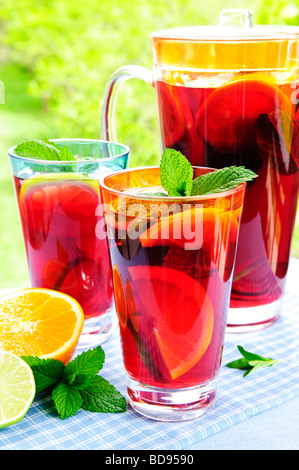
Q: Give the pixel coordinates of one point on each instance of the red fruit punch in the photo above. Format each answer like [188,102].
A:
[59,225]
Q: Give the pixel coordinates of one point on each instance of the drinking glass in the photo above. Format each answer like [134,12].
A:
[228,95]
[172,262]
[59,206]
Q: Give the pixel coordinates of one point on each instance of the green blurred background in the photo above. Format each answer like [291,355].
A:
[55,58]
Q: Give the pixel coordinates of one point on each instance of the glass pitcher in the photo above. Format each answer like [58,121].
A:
[227,95]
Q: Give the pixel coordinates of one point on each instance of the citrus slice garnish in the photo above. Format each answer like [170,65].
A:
[228,116]
[181,313]
[76,193]
[17,388]
[131,306]
[173,113]
[192,229]
[60,276]
[56,177]
[173,229]
[40,322]
[120,297]
[124,301]
[49,204]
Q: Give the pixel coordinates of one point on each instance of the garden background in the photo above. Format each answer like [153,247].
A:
[55,58]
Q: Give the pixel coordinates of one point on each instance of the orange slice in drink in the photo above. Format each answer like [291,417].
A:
[54,275]
[227,117]
[131,306]
[40,322]
[181,313]
[178,229]
[173,113]
[124,301]
[120,297]
[191,229]
[74,199]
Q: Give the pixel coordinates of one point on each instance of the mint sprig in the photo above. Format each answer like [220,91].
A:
[221,180]
[43,150]
[176,176]
[250,362]
[77,385]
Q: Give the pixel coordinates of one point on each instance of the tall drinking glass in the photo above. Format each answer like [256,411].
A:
[228,95]
[172,264]
[59,206]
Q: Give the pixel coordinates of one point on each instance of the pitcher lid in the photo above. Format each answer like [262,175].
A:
[236,24]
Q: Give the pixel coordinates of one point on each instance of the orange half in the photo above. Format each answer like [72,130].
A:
[40,322]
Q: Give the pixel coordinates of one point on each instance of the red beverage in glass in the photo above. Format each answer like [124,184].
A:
[61,214]
[246,121]
[172,272]
[59,225]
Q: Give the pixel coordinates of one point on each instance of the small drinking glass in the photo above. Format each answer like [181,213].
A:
[172,262]
[59,206]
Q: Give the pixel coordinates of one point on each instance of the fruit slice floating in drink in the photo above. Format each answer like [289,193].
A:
[175,125]
[183,338]
[178,111]
[59,218]
[120,297]
[228,116]
[182,228]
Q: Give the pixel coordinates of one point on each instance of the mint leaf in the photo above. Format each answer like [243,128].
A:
[221,180]
[102,397]
[176,176]
[77,382]
[65,154]
[41,150]
[239,364]
[86,363]
[176,173]
[81,381]
[46,372]
[37,149]
[67,400]
[251,361]
[260,365]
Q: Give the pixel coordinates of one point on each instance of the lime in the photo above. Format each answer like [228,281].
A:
[17,388]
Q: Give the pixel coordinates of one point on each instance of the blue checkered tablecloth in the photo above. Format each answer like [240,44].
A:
[237,399]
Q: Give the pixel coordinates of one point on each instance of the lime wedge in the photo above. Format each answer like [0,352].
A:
[17,388]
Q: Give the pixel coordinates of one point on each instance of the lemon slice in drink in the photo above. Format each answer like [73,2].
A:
[17,388]
[42,180]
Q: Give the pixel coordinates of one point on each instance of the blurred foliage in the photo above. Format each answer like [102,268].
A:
[72,47]
[55,59]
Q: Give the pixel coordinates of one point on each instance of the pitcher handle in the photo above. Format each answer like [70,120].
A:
[109,101]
